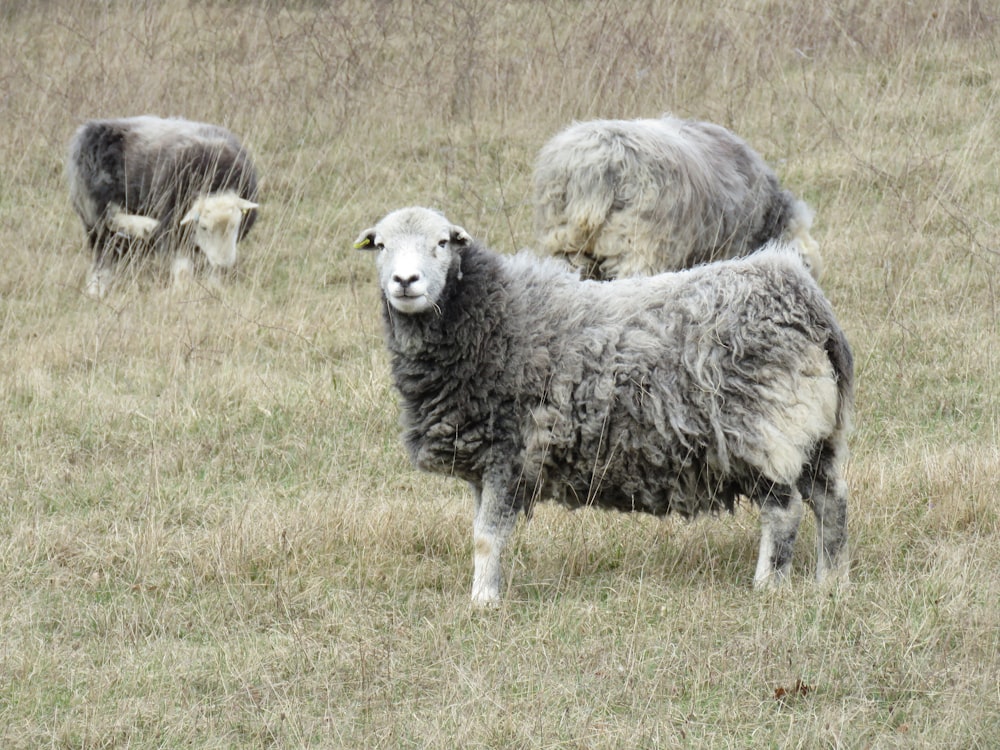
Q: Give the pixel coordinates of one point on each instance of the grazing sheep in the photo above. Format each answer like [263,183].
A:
[143,183]
[677,392]
[628,197]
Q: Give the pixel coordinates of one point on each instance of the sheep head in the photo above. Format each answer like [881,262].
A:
[216,220]
[415,248]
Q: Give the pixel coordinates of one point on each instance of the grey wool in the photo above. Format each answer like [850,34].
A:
[147,184]
[619,198]
[672,393]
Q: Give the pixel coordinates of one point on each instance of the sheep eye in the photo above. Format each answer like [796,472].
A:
[380,246]
[443,244]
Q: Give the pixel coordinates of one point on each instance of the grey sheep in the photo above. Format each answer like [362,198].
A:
[672,393]
[148,183]
[626,197]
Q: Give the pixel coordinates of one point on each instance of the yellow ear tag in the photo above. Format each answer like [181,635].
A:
[363,243]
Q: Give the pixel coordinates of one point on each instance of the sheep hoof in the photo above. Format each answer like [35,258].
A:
[484,600]
[98,283]
[770,581]
[833,577]
[485,605]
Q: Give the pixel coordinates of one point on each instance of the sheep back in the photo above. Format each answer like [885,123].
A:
[625,197]
[673,393]
[155,167]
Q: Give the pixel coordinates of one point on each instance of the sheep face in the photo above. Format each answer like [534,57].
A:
[216,220]
[415,248]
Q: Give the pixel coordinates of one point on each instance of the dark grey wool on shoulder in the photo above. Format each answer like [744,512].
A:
[448,425]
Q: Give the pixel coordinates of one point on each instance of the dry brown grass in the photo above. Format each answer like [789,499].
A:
[211,536]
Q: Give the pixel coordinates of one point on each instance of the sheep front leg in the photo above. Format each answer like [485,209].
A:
[107,248]
[492,525]
[780,516]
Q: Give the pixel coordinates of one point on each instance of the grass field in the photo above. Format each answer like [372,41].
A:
[210,534]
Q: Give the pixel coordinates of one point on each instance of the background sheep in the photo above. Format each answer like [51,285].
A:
[675,392]
[146,182]
[624,197]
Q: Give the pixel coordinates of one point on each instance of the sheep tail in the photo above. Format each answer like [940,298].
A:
[842,360]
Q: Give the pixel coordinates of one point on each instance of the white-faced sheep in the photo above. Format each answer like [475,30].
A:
[620,198]
[672,393]
[145,183]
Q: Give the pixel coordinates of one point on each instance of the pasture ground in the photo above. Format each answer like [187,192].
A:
[210,535]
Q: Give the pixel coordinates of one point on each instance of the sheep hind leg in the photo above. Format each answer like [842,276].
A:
[492,527]
[780,515]
[826,490]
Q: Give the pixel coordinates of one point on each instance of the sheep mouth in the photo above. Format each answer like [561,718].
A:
[407,302]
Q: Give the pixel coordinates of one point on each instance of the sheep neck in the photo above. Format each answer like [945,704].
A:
[447,365]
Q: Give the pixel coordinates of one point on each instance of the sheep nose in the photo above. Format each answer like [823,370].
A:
[405,281]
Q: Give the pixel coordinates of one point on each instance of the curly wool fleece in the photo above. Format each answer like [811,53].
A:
[672,393]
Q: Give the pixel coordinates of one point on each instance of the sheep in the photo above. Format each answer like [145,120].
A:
[678,392]
[625,197]
[147,183]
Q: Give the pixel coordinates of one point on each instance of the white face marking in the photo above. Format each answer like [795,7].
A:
[216,220]
[215,234]
[415,250]
[413,274]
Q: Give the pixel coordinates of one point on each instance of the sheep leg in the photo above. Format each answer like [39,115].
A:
[827,493]
[107,248]
[181,271]
[780,515]
[492,527]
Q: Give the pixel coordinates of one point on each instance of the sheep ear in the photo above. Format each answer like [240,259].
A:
[365,240]
[191,215]
[459,236]
[244,205]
